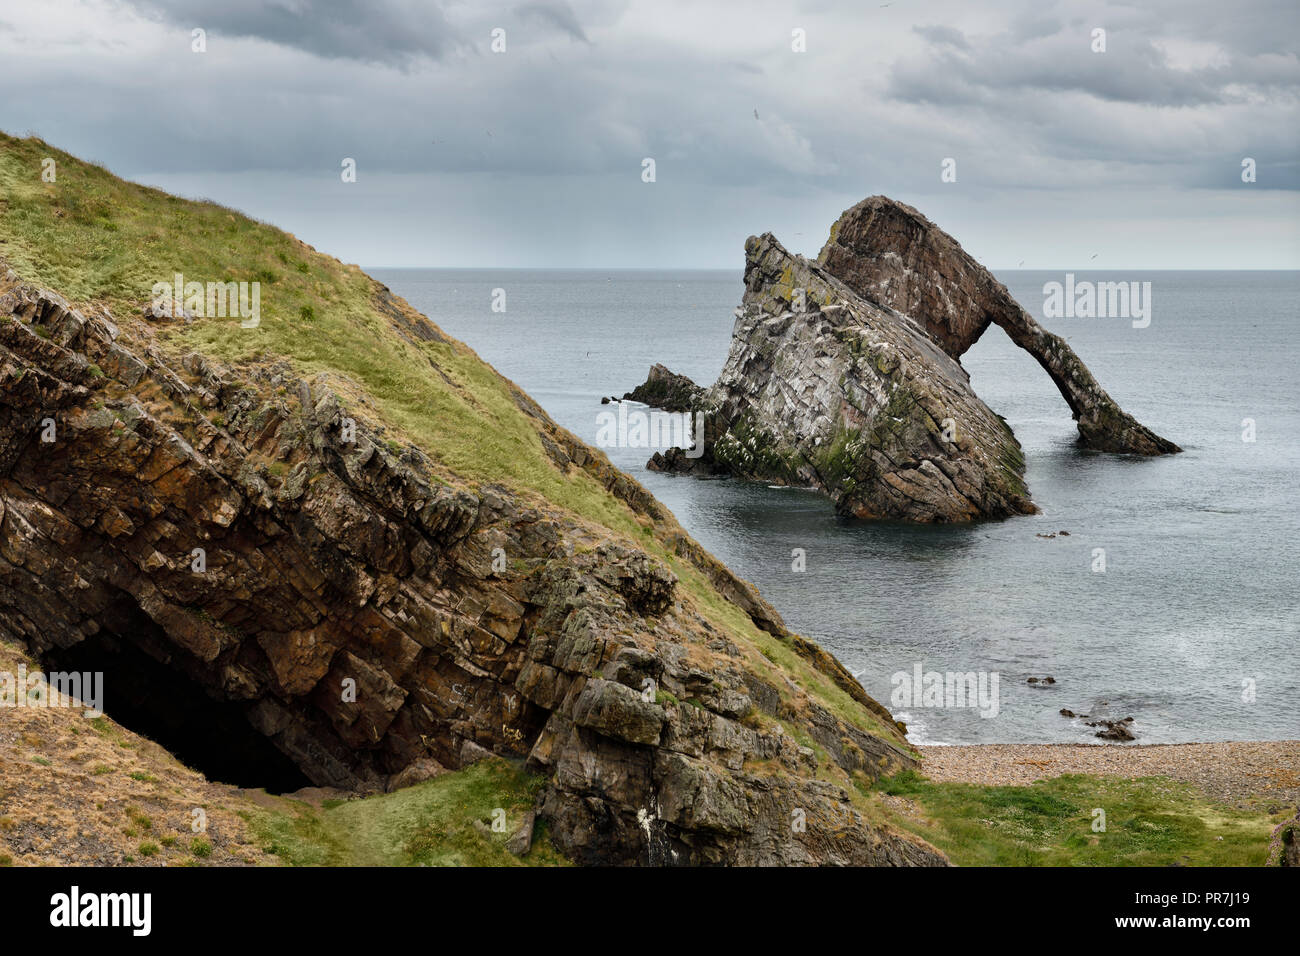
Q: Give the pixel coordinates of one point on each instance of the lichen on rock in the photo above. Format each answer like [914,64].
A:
[889,253]
[844,375]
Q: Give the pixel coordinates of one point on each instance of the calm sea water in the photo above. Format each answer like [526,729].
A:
[1199,594]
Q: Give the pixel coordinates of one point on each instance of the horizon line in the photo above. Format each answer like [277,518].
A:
[733,269]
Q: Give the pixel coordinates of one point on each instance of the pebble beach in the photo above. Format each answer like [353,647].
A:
[1233,772]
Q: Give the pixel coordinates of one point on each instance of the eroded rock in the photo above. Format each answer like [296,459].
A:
[349,605]
[824,389]
[666,390]
[843,375]
[888,252]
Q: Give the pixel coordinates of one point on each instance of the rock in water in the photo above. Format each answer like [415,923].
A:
[825,389]
[1114,729]
[891,254]
[844,375]
[666,390]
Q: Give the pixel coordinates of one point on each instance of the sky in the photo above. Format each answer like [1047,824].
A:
[759,116]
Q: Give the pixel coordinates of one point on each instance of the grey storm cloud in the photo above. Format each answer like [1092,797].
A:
[378,31]
[558,14]
[940,35]
[576,95]
[734,118]
[395,32]
[1133,69]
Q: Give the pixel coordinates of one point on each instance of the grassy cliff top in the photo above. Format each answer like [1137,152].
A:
[100,241]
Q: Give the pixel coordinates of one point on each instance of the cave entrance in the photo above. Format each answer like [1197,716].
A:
[171,709]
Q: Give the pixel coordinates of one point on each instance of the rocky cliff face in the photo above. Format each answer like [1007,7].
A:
[825,389]
[376,621]
[844,375]
[889,253]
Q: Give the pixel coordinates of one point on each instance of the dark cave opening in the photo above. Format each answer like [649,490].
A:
[171,709]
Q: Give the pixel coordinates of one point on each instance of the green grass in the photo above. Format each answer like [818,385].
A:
[322,315]
[429,824]
[97,239]
[318,313]
[1150,821]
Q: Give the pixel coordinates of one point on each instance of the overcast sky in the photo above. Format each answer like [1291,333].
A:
[533,156]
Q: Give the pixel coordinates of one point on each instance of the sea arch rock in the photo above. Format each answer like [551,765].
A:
[844,375]
[891,254]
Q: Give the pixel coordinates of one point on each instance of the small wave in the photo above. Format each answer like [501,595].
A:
[917,732]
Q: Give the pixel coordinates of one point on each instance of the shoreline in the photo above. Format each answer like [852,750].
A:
[1240,773]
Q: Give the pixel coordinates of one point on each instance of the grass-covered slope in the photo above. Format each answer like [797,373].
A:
[442,822]
[98,241]
[103,243]
[95,238]
[1079,820]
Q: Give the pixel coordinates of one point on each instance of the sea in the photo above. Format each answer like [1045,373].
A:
[1172,600]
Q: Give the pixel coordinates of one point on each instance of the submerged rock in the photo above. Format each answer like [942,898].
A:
[1113,729]
[844,375]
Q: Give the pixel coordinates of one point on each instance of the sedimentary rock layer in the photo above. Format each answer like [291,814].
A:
[666,390]
[244,530]
[890,254]
[825,389]
[844,375]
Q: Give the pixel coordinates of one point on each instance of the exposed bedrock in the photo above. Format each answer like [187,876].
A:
[666,390]
[891,254]
[376,621]
[844,375]
[824,389]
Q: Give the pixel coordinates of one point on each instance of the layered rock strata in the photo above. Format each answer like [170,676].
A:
[377,621]
[891,254]
[844,375]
